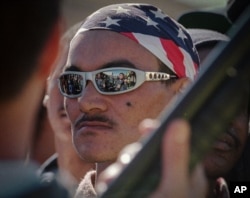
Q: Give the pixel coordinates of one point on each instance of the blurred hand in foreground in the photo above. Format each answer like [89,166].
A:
[176,181]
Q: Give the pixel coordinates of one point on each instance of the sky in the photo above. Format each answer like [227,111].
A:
[77,10]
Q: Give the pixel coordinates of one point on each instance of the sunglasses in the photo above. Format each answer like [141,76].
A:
[109,81]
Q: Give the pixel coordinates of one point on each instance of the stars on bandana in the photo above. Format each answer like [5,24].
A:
[120,10]
[181,34]
[194,49]
[158,14]
[108,22]
[151,22]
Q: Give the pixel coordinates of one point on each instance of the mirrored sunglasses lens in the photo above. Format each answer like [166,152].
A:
[71,84]
[115,80]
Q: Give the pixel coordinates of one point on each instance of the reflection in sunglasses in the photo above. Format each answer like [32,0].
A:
[115,81]
[108,81]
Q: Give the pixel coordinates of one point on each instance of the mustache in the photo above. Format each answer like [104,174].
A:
[98,118]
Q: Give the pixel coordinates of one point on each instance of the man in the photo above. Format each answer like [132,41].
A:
[228,156]
[66,161]
[120,83]
[231,143]
[123,38]
[30,32]
[43,135]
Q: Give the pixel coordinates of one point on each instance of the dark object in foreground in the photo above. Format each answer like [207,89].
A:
[209,105]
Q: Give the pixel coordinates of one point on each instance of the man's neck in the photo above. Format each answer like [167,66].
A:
[69,160]
[100,167]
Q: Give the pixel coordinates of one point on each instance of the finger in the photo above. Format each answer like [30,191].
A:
[198,183]
[176,160]
[221,189]
[174,182]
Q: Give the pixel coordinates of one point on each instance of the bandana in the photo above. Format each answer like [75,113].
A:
[150,27]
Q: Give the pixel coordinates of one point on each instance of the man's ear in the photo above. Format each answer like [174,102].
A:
[50,51]
[181,84]
[45,100]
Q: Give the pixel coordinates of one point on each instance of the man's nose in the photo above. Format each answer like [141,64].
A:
[91,99]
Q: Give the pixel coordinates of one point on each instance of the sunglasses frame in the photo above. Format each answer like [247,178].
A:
[141,77]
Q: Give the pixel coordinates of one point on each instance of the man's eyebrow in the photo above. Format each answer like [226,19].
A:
[72,68]
[119,63]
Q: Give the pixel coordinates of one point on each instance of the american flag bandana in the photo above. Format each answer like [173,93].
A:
[151,28]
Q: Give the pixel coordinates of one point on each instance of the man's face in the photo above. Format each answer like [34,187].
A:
[102,125]
[121,76]
[228,148]
[55,102]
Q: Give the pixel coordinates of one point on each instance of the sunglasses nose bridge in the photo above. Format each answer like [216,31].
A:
[89,77]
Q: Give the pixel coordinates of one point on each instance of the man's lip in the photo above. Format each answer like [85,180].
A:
[226,143]
[93,125]
[222,145]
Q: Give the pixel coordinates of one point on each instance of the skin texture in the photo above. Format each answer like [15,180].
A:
[69,161]
[55,103]
[43,137]
[228,148]
[176,179]
[102,125]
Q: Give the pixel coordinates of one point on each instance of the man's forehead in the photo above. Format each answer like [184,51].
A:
[102,47]
[118,63]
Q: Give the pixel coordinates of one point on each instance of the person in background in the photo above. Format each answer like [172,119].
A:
[66,161]
[214,19]
[31,32]
[43,143]
[228,161]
